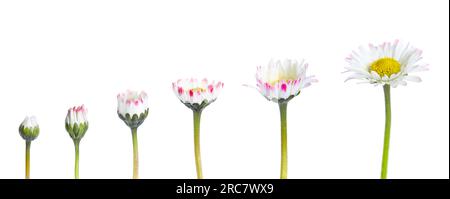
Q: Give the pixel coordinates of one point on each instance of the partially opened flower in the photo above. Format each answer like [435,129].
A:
[196,95]
[132,108]
[77,125]
[280,81]
[29,130]
[388,64]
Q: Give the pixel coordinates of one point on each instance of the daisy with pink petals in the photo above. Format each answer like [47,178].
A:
[196,95]
[132,108]
[77,125]
[279,82]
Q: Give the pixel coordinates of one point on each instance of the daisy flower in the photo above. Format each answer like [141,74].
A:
[197,95]
[388,64]
[279,82]
[29,130]
[77,125]
[132,108]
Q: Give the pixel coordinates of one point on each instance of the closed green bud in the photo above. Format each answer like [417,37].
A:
[29,128]
[76,122]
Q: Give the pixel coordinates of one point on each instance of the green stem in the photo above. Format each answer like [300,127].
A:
[198,159]
[387,130]
[135,154]
[77,157]
[283,110]
[27,159]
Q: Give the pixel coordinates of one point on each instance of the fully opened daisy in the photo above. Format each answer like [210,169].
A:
[29,130]
[132,108]
[196,95]
[280,81]
[389,64]
[77,125]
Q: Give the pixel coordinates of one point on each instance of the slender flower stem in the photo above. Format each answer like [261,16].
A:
[387,130]
[198,159]
[27,159]
[283,110]
[135,154]
[77,157]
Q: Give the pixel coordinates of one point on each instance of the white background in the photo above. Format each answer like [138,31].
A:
[57,54]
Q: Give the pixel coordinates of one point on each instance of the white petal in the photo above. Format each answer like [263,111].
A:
[412,78]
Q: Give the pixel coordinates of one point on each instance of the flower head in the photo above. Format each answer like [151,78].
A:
[196,94]
[281,81]
[29,128]
[76,122]
[132,107]
[388,63]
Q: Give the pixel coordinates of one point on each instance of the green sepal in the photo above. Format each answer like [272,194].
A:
[283,101]
[28,134]
[135,120]
[198,107]
[77,131]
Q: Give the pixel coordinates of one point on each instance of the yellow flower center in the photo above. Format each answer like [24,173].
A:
[273,82]
[198,89]
[385,66]
[282,77]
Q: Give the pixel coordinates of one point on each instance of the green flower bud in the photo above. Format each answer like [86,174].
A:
[29,128]
[132,108]
[76,122]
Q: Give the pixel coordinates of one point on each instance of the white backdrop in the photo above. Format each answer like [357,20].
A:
[57,54]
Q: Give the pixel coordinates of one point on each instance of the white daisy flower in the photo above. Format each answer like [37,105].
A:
[196,94]
[281,81]
[132,108]
[388,63]
[132,102]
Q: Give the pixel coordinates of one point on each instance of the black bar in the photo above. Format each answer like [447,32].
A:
[226,188]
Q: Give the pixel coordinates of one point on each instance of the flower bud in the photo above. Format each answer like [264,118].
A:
[132,108]
[76,122]
[29,128]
